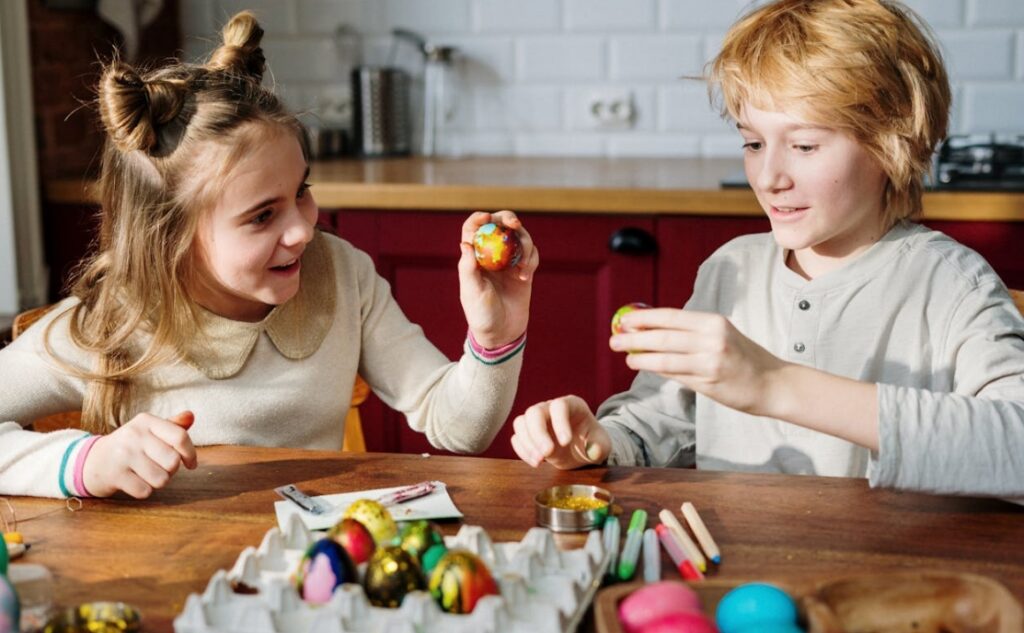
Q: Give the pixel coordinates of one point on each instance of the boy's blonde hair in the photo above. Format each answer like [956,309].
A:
[869,68]
[173,134]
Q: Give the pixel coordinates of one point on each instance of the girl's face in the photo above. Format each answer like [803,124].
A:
[248,245]
[821,190]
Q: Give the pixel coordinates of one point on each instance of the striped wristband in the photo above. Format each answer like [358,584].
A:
[80,466]
[498,355]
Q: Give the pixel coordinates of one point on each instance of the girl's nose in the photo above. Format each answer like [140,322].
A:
[299,229]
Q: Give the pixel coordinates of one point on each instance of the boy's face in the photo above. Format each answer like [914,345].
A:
[248,245]
[821,190]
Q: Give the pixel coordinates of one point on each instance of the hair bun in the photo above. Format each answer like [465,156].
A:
[132,108]
[241,53]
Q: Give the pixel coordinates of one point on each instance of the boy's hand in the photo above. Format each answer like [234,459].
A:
[562,432]
[497,304]
[703,351]
[140,456]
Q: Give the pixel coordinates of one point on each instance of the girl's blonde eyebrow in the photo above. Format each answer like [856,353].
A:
[792,127]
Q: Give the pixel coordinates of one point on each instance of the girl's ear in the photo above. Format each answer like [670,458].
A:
[240,54]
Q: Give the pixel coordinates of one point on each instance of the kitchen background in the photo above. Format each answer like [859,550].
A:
[531,72]
[583,78]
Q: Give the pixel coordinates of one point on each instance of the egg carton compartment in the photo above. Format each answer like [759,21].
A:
[542,589]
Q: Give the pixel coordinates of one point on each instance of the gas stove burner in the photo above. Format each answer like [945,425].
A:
[981,161]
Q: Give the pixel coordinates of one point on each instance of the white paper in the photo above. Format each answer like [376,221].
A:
[436,505]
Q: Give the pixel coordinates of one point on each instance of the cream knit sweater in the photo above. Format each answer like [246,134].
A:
[285,381]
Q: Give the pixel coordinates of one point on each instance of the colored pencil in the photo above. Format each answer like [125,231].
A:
[701,532]
[679,559]
[689,547]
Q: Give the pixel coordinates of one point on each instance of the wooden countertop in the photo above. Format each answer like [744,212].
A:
[568,185]
[797,530]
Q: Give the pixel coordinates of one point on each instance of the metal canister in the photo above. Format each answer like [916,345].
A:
[381,117]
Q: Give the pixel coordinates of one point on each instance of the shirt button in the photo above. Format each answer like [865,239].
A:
[799,348]
[804,304]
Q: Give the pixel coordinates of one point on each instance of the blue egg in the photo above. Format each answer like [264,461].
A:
[753,607]
[777,627]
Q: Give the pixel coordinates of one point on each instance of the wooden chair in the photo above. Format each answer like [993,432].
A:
[353,439]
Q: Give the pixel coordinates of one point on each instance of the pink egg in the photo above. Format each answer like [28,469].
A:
[681,623]
[654,601]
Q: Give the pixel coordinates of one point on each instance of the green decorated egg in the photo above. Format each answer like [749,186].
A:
[416,537]
[626,309]
[391,573]
[460,580]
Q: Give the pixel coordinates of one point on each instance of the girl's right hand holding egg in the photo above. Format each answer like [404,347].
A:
[563,432]
[140,456]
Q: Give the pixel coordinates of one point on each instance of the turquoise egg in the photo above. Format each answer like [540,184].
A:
[773,628]
[323,567]
[754,607]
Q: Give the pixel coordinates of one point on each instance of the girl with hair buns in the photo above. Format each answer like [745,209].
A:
[214,313]
[849,341]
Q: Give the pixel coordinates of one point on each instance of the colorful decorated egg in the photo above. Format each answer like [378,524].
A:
[10,608]
[626,309]
[496,247]
[430,557]
[753,607]
[4,557]
[323,567]
[655,601]
[391,573]
[416,537]
[374,518]
[355,538]
[459,580]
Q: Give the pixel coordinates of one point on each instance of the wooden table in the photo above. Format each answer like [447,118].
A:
[154,553]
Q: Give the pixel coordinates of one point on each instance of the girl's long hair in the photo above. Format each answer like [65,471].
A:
[173,134]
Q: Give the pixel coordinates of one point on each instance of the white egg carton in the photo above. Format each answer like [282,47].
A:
[543,589]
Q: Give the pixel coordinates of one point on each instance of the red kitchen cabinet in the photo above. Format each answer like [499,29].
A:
[580,285]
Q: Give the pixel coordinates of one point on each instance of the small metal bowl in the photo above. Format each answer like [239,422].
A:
[568,520]
[96,617]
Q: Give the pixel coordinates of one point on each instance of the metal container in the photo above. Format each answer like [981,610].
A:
[568,520]
[381,117]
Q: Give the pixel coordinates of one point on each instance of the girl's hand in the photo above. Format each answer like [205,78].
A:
[562,432]
[704,352]
[497,304]
[140,456]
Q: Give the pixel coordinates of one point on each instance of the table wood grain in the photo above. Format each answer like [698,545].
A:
[796,529]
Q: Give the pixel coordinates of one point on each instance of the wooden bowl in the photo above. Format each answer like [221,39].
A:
[896,602]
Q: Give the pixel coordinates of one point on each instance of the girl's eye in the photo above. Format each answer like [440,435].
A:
[806,149]
[302,190]
[262,217]
[752,146]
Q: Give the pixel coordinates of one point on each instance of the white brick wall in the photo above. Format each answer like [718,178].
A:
[529,68]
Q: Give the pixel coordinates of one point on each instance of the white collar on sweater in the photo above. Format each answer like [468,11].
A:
[296,328]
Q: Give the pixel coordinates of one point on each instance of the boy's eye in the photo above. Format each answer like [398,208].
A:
[752,145]
[262,217]
[806,149]
[303,189]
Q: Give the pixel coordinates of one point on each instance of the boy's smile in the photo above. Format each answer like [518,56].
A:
[822,191]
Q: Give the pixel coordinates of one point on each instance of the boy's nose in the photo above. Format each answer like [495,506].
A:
[773,174]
